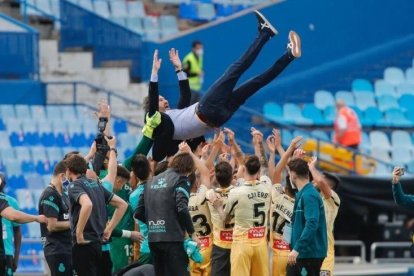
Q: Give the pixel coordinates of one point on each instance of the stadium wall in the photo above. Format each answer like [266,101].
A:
[22,92]
[331,31]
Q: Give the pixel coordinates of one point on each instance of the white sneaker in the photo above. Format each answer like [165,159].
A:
[265,24]
[294,44]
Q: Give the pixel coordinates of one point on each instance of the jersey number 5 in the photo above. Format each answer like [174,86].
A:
[259,213]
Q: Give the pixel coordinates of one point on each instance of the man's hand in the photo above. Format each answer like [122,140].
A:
[295,143]
[205,150]
[218,139]
[195,238]
[278,138]
[104,109]
[257,136]
[175,59]
[223,157]
[184,147]
[111,141]
[312,162]
[299,153]
[41,219]
[136,236]
[106,234]
[270,142]
[156,63]
[293,255]
[396,175]
[81,240]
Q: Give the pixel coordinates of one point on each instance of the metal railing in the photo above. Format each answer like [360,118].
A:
[361,258]
[378,245]
[319,143]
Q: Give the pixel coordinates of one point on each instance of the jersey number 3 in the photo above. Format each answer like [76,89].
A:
[202,220]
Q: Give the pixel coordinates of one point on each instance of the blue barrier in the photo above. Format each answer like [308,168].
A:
[19,53]
[22,92]
[108,40]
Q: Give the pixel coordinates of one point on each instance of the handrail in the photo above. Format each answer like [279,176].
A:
[318,139]
[377,245]
[353,243]
[25,5]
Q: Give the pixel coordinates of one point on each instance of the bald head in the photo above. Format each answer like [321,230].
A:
[340,103]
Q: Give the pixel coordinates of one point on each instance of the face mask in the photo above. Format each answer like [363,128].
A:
[199,52]
[292,184]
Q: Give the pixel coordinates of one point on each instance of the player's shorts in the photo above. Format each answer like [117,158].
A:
[59,264]
[203,269]
[9,265]
[248,259]
[280,251]
[121,253]
[328,265]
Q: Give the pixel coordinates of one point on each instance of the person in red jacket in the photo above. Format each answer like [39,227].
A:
[346,126]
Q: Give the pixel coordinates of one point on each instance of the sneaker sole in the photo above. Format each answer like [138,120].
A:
[296,49]
[271,27]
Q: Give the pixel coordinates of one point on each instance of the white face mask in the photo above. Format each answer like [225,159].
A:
[292,184]
[199,52]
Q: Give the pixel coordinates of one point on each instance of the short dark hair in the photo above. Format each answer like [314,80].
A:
[195,43]
[76,164]
[122,172]
[192,178]
[59,168]
[69,154]
[183,163]
[252,164]
[224,173]
[141,167]
[300,167]
[161,167]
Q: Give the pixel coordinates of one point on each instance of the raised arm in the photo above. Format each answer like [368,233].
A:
[199,164]
[400,197]
[270,142]
[259,149]
[218,142]
[319,179]
[153,94]
[285,158]
[112,163]
[233,144]
[185,91]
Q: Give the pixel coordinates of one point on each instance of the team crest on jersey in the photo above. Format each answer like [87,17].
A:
[61,268]
[66,216]
[51,198]
[161,183]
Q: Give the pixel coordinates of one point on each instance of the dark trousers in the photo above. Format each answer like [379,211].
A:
[220,261]
[221,100]
[60,264]
[3,266]
[308,267]
[169,258]
[195,97]
[86,258]
[9,265]
[105,265]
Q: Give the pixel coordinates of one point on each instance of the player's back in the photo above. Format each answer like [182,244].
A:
[200,215]
[250,204]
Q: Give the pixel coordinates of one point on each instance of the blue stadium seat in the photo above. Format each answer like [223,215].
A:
[4,139]
[7,111]
[401,156]
[28,167]
[59,127]
[362,85]
[13,125]
[62,140]
[44,126]
[38,154]
[206,11]
[223,10]
[16,139]
[302,133]
[86,4]
[22,111]
[136,9]
[394,75]
[346,96]
[34,181]
[371,116]
[272,111]
[2,125]
[13,167]
[168,25]
[28,126]
[16,181]
[365,144]
[311,112]
[383,88]
[380,140]
[320,134]
[405,88]
[54,154]
[118,9]
[188,11]
[396,118]
[151,27]
[32,139]
[38,111]
[7,154]
[120,126]
[101,8]
[364,100]
[53,112]
[293,114]
[409,75]
[74,127]
[406,101]
[48,139]
[410,166]
[286,137]
[387,102]
[34,229]
[127,141]
[401,137]
[409,114]
[120,21]
[68,112]
[90,127]
[323,99]
[330,113]
[78,140]
[23,154]
[135,24]
[44,168]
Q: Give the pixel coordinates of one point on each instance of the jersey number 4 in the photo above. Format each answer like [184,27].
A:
[259,213]
[202,220]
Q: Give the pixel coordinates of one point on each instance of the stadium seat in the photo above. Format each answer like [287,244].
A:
[53,112]
[394,75]
[382,170]
[4,139]
[7,154]
[23,154]
[101,8]
[2,125]
[36,194]
[405,88]
[323,99]
[286,137]
[401,156]
[74,127]
[12,125]
[38,154]
[118,9]
[364,100]
[396,118]
[127,141]
[34,181]
[168,25]
[387,102]
[272,111]
[371,116]
[135,9]
[410,167]
[23,111]
[383,88]
[409,114]
[17,139]
[135,24]
[38,111]
[29,127]
[78,140]
[379,140]
[223,10]
[28,167]
[320,134]
[362,85]
[62,140]
[59,127]
[120,126]
[365,144]
[346,96]
[13,167]
[16,181]
[48,139]
[120,20]
[7,111]
[311,112]
[44,126]
[188,11]
[151,27]
[409,75]
[293,114]
[406,101]
[206,11]
[330,113]
[358,112]
[68,112]
[45,167]
[401,137]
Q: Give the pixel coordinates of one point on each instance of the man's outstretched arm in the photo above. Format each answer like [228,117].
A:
[185,91]
[153,94]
